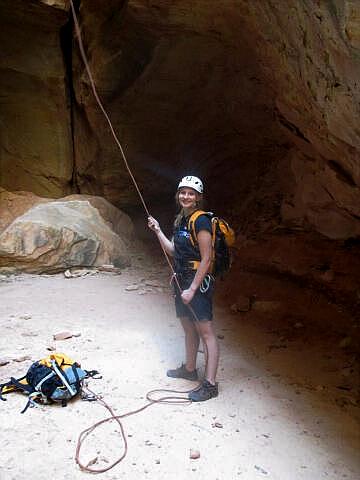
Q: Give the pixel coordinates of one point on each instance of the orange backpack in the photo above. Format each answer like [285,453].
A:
[222,238]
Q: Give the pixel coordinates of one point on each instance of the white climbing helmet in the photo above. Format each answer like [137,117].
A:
[192,182]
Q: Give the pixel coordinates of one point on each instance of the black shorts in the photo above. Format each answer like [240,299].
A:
[201,303]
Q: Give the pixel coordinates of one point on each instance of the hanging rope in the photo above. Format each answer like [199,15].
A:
[167,399]
[102,108]
[116,138]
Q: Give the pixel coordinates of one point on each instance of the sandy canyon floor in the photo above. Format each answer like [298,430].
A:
[284,412]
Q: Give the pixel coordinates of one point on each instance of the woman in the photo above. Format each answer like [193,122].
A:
[194,302]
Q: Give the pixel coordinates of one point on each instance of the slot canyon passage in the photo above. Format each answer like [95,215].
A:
[261,100]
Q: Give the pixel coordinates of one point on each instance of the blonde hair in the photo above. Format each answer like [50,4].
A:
[181,214]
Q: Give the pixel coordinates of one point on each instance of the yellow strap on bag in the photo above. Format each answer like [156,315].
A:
[13,388]
[191,226]
[60,358]
[222,237]
[225,228]
[193,238]
[228,232]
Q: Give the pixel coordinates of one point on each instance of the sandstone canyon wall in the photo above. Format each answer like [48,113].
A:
[261,95]
[259,98]
[36,150]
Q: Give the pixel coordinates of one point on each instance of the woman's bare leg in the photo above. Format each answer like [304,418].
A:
[211,346]
[192,341]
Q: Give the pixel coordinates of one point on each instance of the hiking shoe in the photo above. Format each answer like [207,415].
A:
[204,392]
[182,372]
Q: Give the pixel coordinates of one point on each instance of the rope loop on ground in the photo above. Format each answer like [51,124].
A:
[117,418]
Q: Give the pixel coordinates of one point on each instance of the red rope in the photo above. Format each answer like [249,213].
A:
[167,399]
[116,138]
[117,418]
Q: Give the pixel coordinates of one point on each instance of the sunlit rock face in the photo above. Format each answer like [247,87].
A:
[62,4]
[260,99]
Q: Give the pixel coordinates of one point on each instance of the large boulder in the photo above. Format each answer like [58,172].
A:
[15,204]
[56,235]
[116,219]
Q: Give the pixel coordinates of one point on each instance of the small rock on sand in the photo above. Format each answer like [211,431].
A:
[194,454]
[62,335]
[4,361]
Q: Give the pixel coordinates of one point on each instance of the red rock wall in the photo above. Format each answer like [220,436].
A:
[35,134]
[261,99]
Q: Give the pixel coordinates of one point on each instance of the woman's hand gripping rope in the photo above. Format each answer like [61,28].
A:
[153,224]
[187,295]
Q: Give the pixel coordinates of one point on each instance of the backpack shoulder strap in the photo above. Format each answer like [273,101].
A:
[191,225]
[15,384]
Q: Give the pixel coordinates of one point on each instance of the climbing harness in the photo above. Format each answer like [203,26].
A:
[205,284]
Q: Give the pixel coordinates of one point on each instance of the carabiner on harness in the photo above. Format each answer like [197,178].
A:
[205,284]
